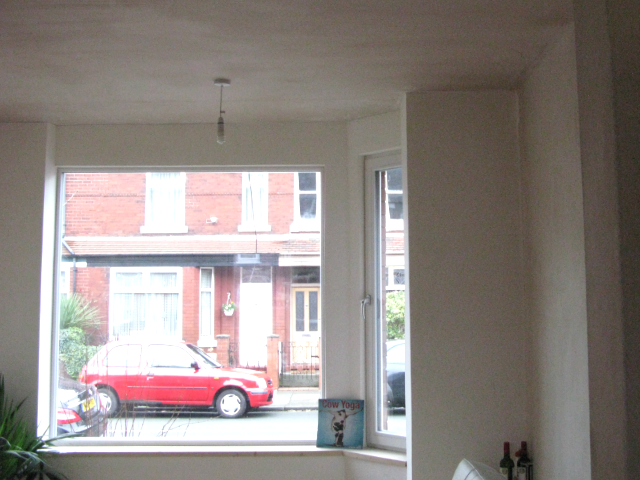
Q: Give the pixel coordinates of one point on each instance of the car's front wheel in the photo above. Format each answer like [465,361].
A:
[109,400]
[231,404]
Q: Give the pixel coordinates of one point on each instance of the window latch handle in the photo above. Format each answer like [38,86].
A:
[364,302]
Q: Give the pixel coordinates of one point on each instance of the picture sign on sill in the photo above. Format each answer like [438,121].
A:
[340,423]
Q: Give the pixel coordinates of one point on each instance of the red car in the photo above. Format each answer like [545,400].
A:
[159,373]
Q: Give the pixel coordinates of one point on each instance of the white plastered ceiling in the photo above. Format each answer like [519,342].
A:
[154,61]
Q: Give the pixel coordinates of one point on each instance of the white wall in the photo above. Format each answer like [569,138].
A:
[26,215]
[556,258]
[23,155]
[624,31]
[469,337]
[608,405]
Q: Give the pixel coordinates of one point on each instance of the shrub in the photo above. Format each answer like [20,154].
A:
[74,351]
[395,315]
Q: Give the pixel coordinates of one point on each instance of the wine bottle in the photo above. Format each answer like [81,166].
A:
[506,464]
[525,465]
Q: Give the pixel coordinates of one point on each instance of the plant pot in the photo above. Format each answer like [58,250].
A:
[228,313]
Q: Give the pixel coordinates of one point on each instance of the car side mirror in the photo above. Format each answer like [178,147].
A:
[195,366]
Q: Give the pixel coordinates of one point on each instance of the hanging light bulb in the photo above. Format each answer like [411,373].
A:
[221,82]
[220,136]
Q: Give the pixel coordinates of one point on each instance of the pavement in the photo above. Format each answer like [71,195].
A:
[294,399]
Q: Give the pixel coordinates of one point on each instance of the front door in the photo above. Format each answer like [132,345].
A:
[305,324]
[256,315]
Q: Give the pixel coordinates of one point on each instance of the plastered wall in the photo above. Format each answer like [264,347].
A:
[553,197]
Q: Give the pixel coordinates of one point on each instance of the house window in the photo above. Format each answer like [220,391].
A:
[394,203]
[306,202]
[165,203]
[255,204]
[145,301]
[206,308]
[385,334]
[65,279]
[395,278]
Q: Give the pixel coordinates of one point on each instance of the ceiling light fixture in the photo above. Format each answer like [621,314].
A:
[221,82]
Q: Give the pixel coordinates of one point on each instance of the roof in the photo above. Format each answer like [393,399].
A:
[297,244]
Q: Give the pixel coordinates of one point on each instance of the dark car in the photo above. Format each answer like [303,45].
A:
[80,411]
[395,373]
[161,373]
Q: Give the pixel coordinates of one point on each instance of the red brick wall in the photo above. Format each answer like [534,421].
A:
[93,285]
[281,301]
[190,304]
[99,204]
[280,202]
[213,194]
[227,279]
[104,204]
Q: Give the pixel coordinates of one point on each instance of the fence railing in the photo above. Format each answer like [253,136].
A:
[299,363]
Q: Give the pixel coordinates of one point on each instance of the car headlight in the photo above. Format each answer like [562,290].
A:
[262,383]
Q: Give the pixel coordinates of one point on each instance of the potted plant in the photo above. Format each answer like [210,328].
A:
[228,308]
[20,448]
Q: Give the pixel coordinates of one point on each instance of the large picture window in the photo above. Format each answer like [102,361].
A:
[167,329]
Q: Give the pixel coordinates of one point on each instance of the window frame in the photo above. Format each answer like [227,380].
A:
[394,224]
[305,224]
[47,399]
[164,227]
[262,196]
[146,289]
[376,437]
[207,340]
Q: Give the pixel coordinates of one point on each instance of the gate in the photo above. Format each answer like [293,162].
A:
[299,364]
[234,359]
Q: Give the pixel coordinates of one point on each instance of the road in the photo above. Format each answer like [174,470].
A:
[256,426]
[259,426]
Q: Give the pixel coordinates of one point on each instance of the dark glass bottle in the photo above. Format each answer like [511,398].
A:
[506,464]
[525,465]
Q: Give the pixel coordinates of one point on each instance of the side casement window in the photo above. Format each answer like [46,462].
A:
[385,322]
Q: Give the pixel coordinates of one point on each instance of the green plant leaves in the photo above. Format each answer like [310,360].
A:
[19,446]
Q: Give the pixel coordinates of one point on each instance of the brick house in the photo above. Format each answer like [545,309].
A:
[159,253]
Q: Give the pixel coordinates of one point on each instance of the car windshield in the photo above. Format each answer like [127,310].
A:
[205,358]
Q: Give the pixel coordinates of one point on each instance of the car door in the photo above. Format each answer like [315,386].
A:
[171,377]
[121,370]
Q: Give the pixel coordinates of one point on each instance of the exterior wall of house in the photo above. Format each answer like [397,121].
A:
[191,304]
[119,202]
[113,206]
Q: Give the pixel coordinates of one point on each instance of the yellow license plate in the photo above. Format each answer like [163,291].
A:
[88,404]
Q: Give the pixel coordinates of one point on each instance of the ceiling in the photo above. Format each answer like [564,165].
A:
[154,61]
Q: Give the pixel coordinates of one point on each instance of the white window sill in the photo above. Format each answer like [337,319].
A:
[302,226]
[368,454]
[248,227]
[164,229]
